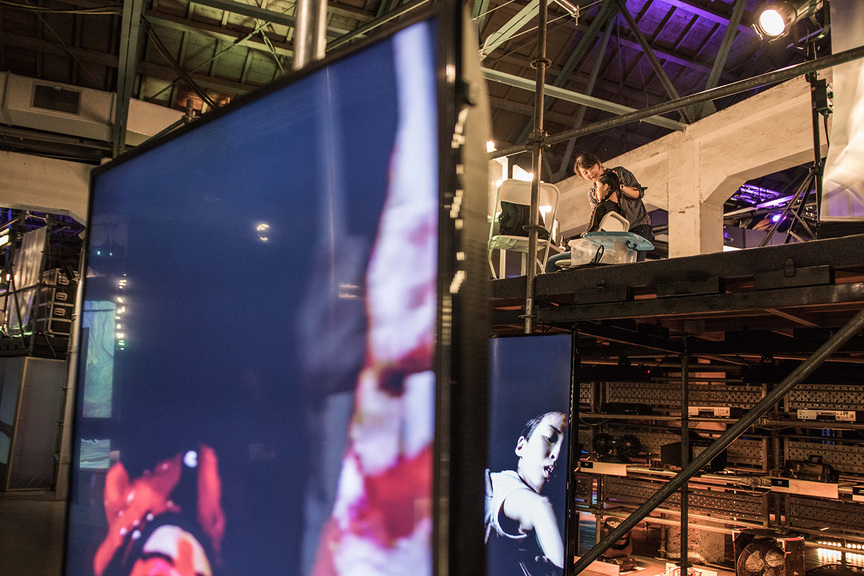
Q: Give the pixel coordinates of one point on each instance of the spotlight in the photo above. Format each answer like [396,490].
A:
[775,18]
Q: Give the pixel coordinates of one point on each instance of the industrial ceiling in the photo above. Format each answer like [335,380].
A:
[623,54]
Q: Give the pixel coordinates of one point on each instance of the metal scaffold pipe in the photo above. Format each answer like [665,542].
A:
[537,138]
[310,40]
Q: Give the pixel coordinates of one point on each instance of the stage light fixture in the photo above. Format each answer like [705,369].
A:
[774,18]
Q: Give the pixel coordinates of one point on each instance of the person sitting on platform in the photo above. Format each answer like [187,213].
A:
[589,167]
[608,187]
[608,191]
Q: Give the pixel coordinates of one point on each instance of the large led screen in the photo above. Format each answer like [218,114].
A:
[264,401]
[529,406]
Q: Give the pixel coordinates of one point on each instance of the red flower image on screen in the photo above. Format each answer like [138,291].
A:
[150,531]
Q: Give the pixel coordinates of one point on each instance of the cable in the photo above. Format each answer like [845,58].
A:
[475,18]
[106,11]
[231,46]
[827,137]
[478,16]
[87,73]
[160,47]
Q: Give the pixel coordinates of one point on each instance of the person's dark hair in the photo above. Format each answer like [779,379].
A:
[532,424]
[586,161]
[611,178]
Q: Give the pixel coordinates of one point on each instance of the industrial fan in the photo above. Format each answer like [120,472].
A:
[761,558]
[760,552]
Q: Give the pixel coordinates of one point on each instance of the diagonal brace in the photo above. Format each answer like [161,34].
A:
[649,53]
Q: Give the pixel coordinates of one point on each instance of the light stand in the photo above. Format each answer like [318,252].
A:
[820,107]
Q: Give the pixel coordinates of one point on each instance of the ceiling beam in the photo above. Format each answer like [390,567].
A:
[722,54]
[265,15]
[667,55]
[708,14]
[238,38]
[649,53]
[579,79]
[528,110]
[478,13]
[508,30]
[372,24]
[580,116]
[606,13]
[590,101]
[110,61]
[129,35]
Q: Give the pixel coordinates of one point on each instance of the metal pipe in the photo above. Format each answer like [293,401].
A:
[310,40]
[537,138]
[806,368]
[64,459]
[571,525]
[685,456]
[774,77]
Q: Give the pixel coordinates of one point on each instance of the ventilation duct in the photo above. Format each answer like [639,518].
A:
[75,111]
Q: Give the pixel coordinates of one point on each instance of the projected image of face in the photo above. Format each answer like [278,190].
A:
[522,531]
[525,504]
[538,451]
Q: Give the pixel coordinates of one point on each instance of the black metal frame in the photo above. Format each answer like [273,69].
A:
[851,329]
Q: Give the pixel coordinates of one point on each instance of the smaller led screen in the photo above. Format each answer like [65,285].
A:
[256,381]
[529,388]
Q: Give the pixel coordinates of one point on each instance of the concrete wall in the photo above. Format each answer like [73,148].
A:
[44,185]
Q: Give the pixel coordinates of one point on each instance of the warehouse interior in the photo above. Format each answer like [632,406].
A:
[749,276]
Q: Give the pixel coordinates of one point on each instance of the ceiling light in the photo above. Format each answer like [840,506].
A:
[774,18]
[772,23]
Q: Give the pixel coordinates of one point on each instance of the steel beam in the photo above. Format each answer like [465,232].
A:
[580,116]
[560,93]
[478,13]
[266,15]
[620,336]
[509,29]
[366,28]
[760,81]
[130,29]
[235,38]
[722,54]
[708,14]
[649,53]
[851,329]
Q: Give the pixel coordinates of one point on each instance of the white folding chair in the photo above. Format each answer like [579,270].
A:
[614,222]
[519,192]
